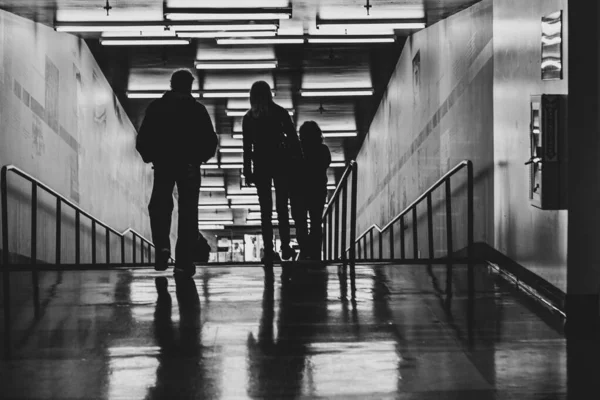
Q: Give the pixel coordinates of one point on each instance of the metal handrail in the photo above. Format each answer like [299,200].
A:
[416,202]
[331,239]
[445,179]
[60,199]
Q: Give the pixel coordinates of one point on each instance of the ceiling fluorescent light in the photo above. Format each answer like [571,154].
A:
[274,40]
[225,93]
[331,187]
[226,34]
[112,26]
[336,92]
[232,166]
[228,13]
[251,197]
[350,39]
[337,164]
[226,221]
[212,189]
[241,113]
[332,134]
[144,42]
[219,206]
[245,206]
[238,136]
[211,227]
[237,64]
[231,150]
[383,23]
[212,26]
[151,94]
[209,166]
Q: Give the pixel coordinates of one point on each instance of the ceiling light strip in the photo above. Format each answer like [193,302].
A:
[336,92]
[236,64]
[254,41]
[139,26]
[147,41]
[226,93]
[343,39]
[226,34]
[228,13]
[392,23]
[334,134]
[151,94]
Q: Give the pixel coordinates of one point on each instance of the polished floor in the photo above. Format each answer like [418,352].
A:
[412,332]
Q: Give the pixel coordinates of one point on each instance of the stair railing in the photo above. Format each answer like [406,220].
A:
[335,236]
[36,184]
[369,253]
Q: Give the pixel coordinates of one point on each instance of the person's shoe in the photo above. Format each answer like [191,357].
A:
[162,260]
[288,253]
[186,271]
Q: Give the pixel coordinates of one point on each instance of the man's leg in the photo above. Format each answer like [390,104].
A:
[188,187]
[265,199]
[160,210]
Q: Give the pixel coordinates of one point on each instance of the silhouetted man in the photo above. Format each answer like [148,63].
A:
[176,136]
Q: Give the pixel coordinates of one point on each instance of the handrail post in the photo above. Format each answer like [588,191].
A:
[58,229]
[392,242]
[470,211]
[353,201]
[330,235]
[77,237]
[34,272]
[430,227]
[134,249]
[336,229]
[107,244]
[123,249]
[93,241]
[344,219]
[402,239]
[372,248]
[449,250]
[5,257]
[323,235]
[415,233]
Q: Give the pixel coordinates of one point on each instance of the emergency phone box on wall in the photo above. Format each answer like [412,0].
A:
[548,144]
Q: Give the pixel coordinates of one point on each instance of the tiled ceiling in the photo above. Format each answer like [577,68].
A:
[300,67]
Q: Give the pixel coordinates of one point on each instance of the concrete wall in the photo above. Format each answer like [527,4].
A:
[432,116]
[536,239]
[61,123]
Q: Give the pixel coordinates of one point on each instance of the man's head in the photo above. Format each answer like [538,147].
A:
[181,81]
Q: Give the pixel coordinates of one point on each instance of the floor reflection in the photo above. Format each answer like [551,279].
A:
[181,368]
[277,364]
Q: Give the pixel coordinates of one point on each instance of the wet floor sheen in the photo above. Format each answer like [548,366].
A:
[412,332]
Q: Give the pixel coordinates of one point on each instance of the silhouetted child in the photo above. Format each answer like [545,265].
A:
[314,194]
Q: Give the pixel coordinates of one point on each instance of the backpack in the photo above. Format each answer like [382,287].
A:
[202,249]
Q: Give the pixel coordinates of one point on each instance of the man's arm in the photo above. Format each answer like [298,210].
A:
[208,138]
[247,142]
[145,142]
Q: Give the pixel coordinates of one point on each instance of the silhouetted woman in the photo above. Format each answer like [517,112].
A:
[314,189]
[270,146]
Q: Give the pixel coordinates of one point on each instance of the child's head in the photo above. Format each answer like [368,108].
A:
[310,134]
